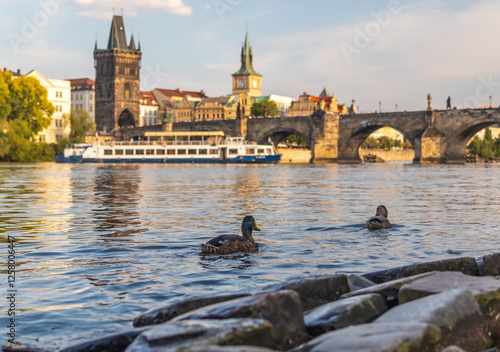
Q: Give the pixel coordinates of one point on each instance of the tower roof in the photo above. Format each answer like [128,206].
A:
[325,93]
[246,59]
[117,38]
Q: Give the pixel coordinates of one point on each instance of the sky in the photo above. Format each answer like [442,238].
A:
[380,53]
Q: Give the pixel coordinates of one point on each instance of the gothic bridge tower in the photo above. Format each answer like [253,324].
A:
[117,80]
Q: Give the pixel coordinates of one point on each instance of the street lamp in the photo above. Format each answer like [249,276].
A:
[380,107]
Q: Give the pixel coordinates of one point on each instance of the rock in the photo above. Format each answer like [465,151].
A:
[453,349]
[491,265]
[377,338]
[314,292]
[389,290]
[358,282]
[190,334]
[485,290]
[112,343]
[163,314]
[230,349]
[455,313]
[22,348]
[282,309]
[467,266]
[343,313]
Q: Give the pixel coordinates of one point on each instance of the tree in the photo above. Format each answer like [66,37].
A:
[81,124]
[265,108]
[5,108]
[28,101]
[296,140]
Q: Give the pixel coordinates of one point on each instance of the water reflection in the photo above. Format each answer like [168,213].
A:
[115,201]
[239,261]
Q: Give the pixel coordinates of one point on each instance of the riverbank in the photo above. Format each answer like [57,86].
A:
[303,156]
[422,307]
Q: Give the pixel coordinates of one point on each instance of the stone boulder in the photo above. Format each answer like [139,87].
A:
[389,290]
[112,343]
[485,290]
[389,337]
[490,265]
[21,348]
[191,334]
[314,292]
[282,309]
[164,314]
[231,349]
[466,265]
[357,282]
[455,313]
[343,313]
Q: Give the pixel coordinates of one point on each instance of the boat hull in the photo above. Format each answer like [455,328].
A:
[268,159]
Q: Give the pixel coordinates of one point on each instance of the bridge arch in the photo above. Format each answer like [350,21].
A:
[456,145]
[349,145]
[279,134]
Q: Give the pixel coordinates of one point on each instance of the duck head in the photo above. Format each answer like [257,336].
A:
[247,226]
[382,211]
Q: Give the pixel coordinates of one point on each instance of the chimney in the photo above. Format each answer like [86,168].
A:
[19,71]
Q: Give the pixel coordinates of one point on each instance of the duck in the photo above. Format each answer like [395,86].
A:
[227,244]
[379,221]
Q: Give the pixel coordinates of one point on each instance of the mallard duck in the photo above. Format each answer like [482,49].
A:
[225,244]
[379,221]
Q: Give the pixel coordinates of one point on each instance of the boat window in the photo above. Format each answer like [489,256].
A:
[139,152]
[129,151]
[192,151]
[181,151]
[269,151]
[160,151]
[214,151]
[150,151]
[171,151]
[203,151]
[118,151]
[108,151]
[250,151]
[260,151]
[233,151]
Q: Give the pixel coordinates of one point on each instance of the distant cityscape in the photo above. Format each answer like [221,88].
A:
[114,99]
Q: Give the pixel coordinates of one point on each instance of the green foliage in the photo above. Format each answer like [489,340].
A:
[385,143]
[485,148]
[296,140]
[28,101]
[24,112]
[265,108]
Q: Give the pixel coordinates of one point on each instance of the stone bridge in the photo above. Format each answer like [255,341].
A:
[436,135]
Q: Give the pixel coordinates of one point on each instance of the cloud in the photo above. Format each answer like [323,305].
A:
[100,9]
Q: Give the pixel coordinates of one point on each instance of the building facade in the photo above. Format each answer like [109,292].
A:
[170,99]
[83,95]
[246,80]
[59,94]
[117,84]
[149,110]
[308,104]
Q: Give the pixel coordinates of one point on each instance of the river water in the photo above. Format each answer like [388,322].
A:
[97,245]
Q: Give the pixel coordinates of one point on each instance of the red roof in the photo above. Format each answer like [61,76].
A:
[147,98]
[81,83]
[181,93]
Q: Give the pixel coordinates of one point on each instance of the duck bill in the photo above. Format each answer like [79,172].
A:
[256,228]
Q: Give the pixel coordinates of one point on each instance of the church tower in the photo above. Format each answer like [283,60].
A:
[117,80]
[246,80]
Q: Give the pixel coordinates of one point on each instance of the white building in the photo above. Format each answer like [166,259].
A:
[59,94]
[148,109]
[282,102]
[83,95]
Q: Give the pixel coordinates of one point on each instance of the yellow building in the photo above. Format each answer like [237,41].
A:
[246,80]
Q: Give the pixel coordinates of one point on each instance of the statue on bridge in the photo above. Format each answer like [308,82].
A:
[429,102]
[448,103]
[238,111]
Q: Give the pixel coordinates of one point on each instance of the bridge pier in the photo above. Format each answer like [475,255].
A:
[324,145]
[430,147]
